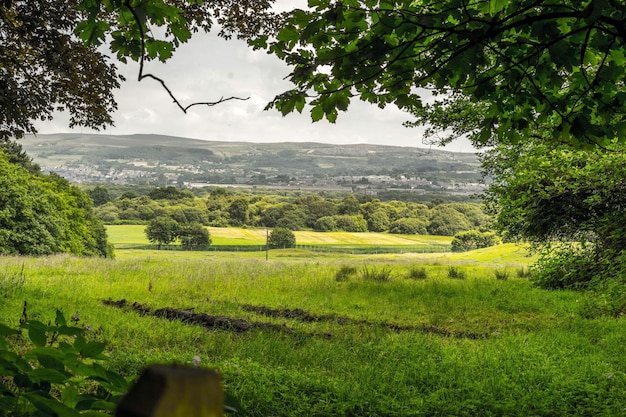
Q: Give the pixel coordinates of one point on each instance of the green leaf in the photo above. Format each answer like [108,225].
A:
[496,5]
[92,350]
[48,375]
[70,396]
[317,113]
[60,319]
[37,333]
[288,34]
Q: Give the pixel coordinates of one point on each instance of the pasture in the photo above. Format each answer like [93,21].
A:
[343,335]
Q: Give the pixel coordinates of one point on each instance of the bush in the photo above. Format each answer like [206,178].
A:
[570,267]
[417,272]
[56,372]
[456,273]
[382,274]
[501,274]
[281,238]
[345,272]
[473,239]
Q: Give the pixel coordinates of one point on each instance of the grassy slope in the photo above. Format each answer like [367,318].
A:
[535,356]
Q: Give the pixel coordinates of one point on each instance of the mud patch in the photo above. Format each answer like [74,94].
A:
[200,319]
[304,316]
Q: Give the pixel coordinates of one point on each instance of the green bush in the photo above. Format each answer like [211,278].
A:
[382,274]
[473,239]
[456,273]
[501,274]
[55,371]
[568,267]
[345,272]
[417,272]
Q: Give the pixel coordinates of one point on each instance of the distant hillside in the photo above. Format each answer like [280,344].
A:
[146,159]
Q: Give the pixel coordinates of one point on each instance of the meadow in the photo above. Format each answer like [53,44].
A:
[343,335]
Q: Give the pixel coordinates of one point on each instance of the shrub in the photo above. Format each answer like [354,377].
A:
[417,272]
[281,238]
[570,267]
[345,272]
[473,239]
[501,274]
[456,273]
[382,274]
[56,372]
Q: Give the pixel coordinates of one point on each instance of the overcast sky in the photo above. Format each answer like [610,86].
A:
[207,68]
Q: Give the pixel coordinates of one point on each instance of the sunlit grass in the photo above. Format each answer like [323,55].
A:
[477,346]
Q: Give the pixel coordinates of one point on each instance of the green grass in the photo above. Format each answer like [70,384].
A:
[125,236]
[434,346]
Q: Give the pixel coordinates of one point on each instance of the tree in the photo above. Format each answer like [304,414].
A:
[162,231]
[408,226]
[569,203]
[281,238]
[537,69]
[51,60]
[99,195]
[446,221]
[238,211]
[44,214]
[194,235]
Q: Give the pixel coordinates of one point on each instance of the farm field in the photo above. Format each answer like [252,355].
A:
[343,335]
[133,235]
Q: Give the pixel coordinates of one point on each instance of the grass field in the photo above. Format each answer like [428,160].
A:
[134,235]
[375,335]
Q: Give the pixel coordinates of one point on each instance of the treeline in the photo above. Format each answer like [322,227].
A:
[352,213]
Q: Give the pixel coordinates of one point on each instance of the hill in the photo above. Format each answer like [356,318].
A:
[166,160]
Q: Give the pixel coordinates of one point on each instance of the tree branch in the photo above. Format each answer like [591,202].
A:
[142,76]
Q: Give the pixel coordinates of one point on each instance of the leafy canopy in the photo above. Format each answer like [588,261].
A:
[51,60]
[538,68]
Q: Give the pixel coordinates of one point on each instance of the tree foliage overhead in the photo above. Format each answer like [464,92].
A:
[554,69]
[50,58]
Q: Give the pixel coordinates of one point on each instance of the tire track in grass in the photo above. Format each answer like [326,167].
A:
[304,316]
[239,325]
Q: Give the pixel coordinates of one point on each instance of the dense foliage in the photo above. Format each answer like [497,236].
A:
[51,59]
[55,370]
[530,64]
[473,239]
[306,212]
[44,214]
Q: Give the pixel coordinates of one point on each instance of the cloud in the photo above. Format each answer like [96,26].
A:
[208,68]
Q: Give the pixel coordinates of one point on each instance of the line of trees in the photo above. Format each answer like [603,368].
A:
[309,212]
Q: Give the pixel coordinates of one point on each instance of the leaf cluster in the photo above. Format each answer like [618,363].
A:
[54,370]
[532,65]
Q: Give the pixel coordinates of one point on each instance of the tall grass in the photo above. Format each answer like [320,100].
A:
[398,346]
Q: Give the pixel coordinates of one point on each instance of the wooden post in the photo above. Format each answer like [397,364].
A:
[267,244]
[174,391]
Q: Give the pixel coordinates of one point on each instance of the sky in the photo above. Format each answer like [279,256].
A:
[208,68]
